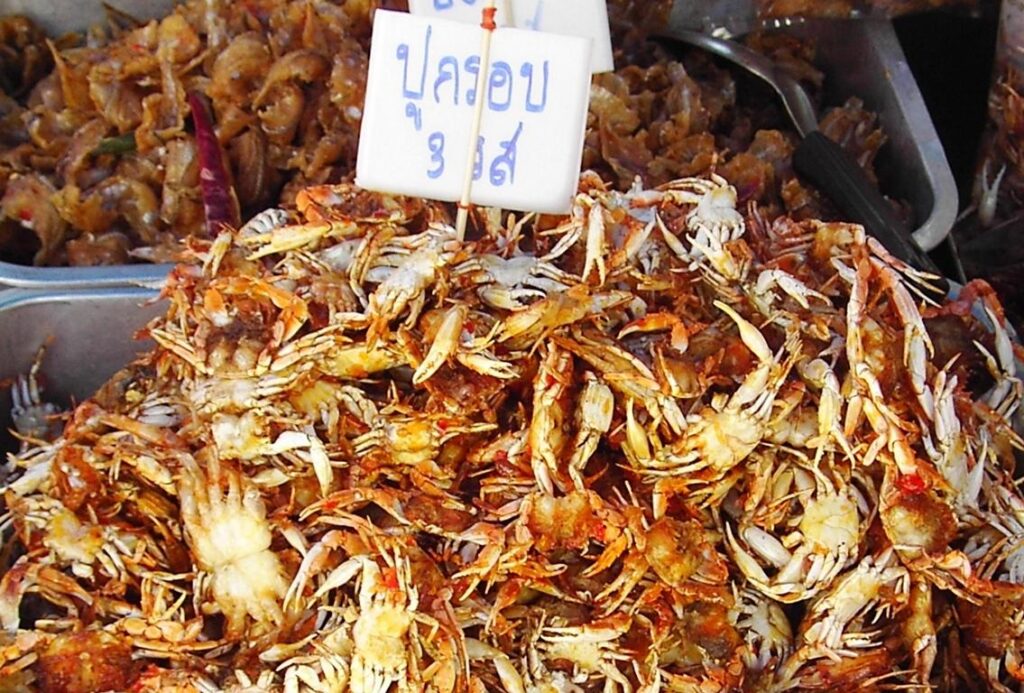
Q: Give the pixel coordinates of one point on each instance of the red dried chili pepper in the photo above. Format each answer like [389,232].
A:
[219,201]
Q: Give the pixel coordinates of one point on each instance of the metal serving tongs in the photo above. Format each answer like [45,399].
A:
[708,25]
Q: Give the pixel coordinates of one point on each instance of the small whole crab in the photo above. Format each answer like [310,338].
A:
[33,418]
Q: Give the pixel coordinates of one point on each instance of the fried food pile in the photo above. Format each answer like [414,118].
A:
[99,164]
[100,159]
[665,116]
[655,444]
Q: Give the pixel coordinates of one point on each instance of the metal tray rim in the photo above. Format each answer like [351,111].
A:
[12,299]
[27,277]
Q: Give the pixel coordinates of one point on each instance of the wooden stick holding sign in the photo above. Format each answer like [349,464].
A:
[488,26]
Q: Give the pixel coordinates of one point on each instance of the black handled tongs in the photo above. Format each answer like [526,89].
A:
[817,158]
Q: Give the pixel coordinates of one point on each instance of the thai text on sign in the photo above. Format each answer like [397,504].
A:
[588,18]
[420,98]
[462,10]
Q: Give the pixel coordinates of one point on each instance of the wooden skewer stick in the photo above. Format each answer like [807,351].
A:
[488,25]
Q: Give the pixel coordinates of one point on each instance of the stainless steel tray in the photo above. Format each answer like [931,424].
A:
[91,333]
[860,58]
[53,278]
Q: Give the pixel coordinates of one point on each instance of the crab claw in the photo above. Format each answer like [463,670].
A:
[446,342]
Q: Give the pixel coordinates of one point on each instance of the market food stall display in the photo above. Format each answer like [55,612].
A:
[270,430]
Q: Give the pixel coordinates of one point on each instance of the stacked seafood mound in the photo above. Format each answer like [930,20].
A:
[652,445]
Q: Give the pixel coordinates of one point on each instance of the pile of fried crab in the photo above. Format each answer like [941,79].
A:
[657,444]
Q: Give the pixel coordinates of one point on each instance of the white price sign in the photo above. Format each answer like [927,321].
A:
[420,99]
[587,18]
